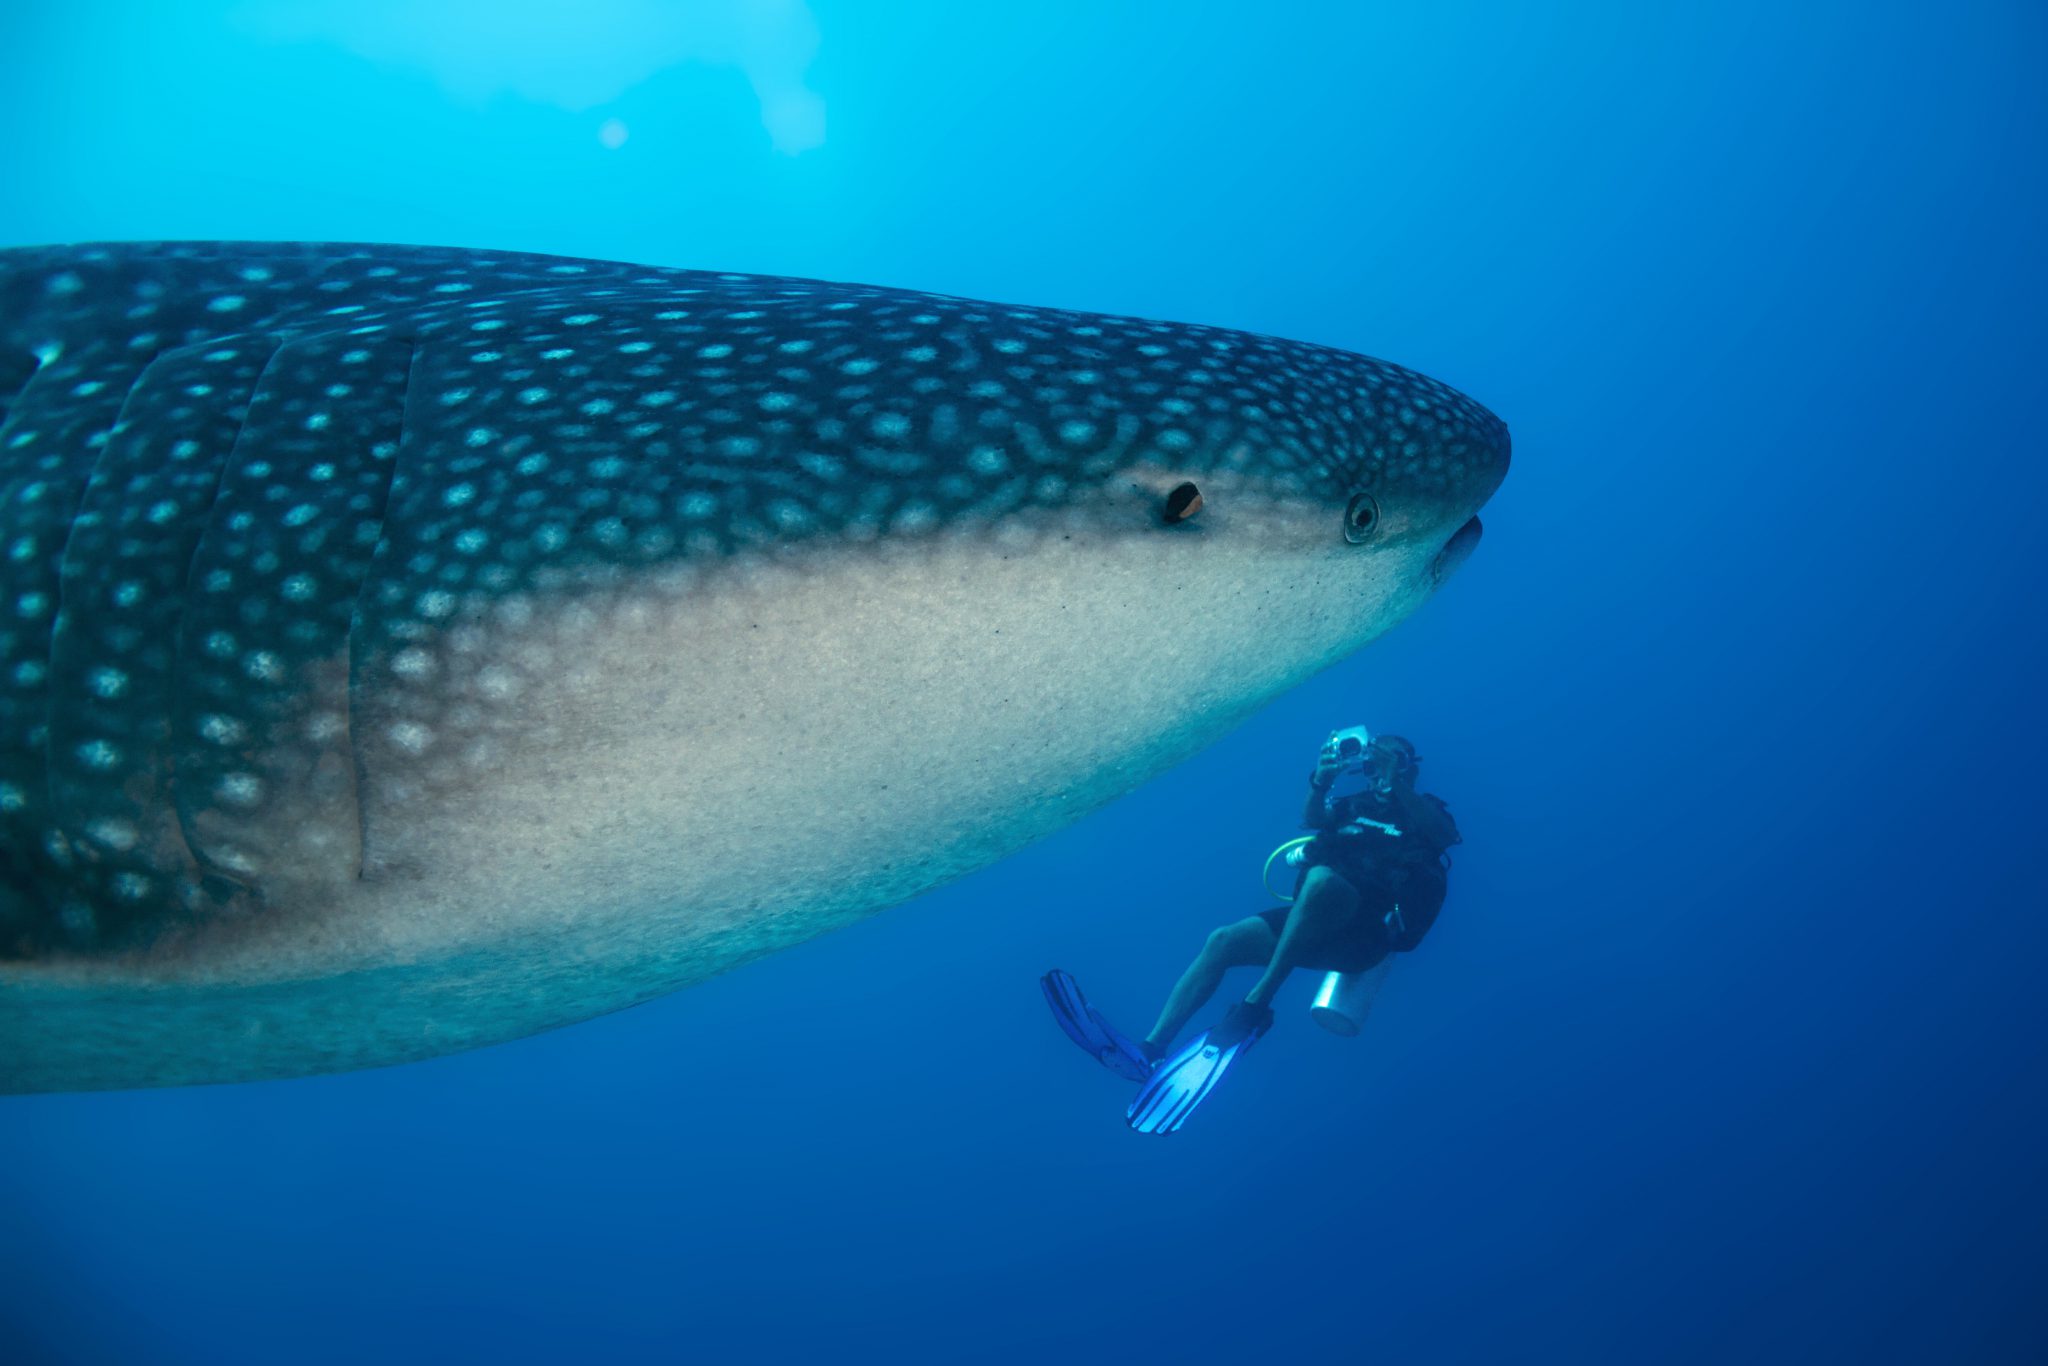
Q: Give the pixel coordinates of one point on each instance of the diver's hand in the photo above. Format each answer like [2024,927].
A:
[1328,765]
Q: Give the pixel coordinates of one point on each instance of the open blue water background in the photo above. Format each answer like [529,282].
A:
[1730,1044]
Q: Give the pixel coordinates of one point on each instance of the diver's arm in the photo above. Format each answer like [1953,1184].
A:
[1316,813]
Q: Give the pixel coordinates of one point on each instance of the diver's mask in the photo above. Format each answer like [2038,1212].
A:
[1393,758]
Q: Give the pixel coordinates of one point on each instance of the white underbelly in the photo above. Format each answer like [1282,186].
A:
[687,780]
[760,760]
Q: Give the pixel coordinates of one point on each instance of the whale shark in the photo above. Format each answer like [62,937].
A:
[406,649]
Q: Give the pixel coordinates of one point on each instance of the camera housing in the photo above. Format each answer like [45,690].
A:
[1351,744]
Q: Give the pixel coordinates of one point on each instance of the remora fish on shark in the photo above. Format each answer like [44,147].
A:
[405,649]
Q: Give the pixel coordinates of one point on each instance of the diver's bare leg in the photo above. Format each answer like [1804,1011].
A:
[1327,900]
[1249,943]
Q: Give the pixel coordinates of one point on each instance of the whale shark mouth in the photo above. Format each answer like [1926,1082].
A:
[1456,551]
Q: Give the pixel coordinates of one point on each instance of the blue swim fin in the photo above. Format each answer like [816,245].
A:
[1097,1037]
[1185,1080]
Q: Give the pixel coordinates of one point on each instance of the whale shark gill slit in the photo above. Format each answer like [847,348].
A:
[266,774]
[51,441]
[15,369]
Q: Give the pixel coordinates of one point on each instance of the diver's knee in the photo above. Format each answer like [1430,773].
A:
[1326,896]
[1324,881]
[1247,941]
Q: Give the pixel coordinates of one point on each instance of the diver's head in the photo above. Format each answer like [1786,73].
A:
[1393,762]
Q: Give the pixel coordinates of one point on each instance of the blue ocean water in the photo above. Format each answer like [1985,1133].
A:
[1730,1041]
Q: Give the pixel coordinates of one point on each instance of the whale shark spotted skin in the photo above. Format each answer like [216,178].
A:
[404,649]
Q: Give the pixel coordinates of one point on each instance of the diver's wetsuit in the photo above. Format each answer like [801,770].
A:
[1400,880]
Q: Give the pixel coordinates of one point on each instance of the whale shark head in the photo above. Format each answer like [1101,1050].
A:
[977,568]
[380,605]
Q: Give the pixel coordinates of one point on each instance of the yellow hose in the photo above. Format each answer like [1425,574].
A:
[1266,873]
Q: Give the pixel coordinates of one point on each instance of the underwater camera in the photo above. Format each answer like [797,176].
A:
[1350,744]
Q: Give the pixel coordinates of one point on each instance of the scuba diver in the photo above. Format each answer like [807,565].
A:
[1371,880]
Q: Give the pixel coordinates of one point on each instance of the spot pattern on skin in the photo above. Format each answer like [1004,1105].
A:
[122,588]
[229,591]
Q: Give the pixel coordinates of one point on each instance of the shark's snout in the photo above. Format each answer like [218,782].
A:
[1475,474]
[1494,469]
[1445,467]
[1484,466]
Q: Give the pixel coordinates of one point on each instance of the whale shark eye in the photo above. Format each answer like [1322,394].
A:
[1184,502]
[1361,519]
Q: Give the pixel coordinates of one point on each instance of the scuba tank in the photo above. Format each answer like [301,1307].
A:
[1345,998]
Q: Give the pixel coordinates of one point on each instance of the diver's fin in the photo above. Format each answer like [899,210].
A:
[1097,1037]
[1185,1080]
